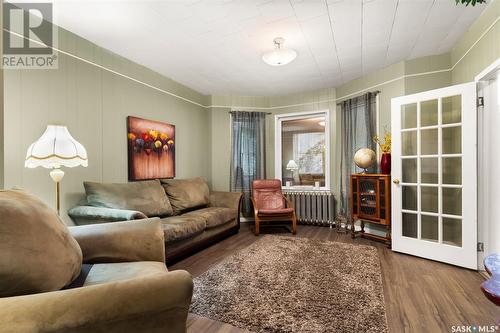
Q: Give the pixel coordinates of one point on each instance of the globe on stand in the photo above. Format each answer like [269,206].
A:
[364,158]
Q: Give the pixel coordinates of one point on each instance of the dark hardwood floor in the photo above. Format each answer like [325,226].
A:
[420,295]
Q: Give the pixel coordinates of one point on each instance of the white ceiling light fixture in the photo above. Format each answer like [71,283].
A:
[279,56]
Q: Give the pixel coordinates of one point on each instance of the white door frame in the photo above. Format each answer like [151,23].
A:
[484,218]
[466,255]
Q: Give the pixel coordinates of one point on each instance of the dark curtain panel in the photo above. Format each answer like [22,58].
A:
[248,153]
[358,121]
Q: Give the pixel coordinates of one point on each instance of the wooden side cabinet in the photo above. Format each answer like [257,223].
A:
[370,197]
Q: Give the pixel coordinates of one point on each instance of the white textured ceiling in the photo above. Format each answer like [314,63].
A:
[215,46]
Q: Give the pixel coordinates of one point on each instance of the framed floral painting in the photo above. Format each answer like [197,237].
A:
[151,149]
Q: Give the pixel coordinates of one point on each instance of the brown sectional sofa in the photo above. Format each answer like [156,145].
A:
[192,217]
[108,277]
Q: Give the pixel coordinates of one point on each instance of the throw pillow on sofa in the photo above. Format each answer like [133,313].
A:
[146,196]
[37,252]
[186,194]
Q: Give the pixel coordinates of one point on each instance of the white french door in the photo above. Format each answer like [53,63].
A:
[434,174]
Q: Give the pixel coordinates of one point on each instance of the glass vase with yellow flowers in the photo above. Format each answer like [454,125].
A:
[385,147]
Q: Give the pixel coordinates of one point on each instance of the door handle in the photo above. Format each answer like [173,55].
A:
[396,181]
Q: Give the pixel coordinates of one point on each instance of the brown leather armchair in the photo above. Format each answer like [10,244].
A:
[270,204]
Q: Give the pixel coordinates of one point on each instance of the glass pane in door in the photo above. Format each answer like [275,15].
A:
[452,201]
[429,170]
[409,116]
[409,174]
[429,227]
[429,141]
[410,198]
[410,225]
[452,140]
[409,143]
[452,170]
[452,109]
[429,113]
[429,199]
[452,231]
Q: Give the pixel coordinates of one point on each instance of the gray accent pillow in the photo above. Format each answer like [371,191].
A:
[186,194]
[37,252]
[145,196]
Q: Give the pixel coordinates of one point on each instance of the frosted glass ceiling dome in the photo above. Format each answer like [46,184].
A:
[279,56]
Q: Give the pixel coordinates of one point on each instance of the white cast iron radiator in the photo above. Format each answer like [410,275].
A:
[313,207]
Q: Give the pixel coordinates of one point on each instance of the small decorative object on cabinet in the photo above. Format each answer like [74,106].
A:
[371,203]
[364,158]
[385,164]
[385,161]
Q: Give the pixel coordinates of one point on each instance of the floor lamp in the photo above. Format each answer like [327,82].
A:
[54,149]
[292,166]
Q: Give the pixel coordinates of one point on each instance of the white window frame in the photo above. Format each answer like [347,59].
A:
[278,121]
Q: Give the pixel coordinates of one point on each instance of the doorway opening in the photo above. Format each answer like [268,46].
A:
[488,91]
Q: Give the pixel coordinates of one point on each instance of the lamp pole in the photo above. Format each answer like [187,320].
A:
[57,175]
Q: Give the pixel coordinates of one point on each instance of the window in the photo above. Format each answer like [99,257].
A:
[302,158]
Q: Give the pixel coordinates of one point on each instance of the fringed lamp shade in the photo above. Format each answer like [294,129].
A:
[54,149]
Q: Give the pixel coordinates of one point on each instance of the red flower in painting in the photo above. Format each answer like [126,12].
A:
[146,142]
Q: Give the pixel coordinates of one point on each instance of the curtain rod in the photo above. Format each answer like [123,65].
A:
[267,113]
[376,92]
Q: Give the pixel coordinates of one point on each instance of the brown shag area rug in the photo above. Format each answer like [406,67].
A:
[291,284]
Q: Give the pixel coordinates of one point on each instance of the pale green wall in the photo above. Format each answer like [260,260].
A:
[476,50]
[220,146]
[427,73]
[94,104]
[395,80]
[406,77]
[399,79]
[483,52]
[221,126]
[389,81]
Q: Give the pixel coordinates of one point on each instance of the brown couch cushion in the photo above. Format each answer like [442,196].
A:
[37,252]
[181,227]
[186,194]
[214,216]
[112,272]
[146,196]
